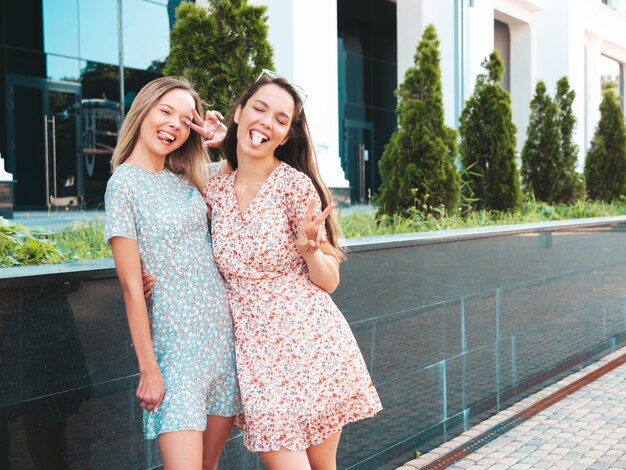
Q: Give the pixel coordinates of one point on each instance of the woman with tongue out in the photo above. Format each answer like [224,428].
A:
[301,374]
[156,220]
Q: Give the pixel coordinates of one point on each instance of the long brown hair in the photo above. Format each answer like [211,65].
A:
[190,158]
[298,151]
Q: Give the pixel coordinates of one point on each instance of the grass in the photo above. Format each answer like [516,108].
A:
[85,240]
[365,223]
[20,246]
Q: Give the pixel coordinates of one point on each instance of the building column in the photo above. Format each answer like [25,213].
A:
[315,69]
[593,93]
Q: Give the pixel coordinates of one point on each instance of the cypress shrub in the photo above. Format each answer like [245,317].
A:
[221,50]
[541,170]
[570,187]
[417,167]
[488,142]
[605,165]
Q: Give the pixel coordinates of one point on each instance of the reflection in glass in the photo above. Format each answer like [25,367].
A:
[134,80]
[610,71]
[54,382]
[146,33]
[62,68]
[60,27]
[62,115]
[101,120]
[98,31]
[100,81]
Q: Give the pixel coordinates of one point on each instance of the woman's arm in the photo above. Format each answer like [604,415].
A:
[151,387]
[323,267]
[319,255]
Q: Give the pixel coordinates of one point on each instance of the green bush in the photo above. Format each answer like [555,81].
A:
[418,168]
[570,186]
[488,143]
[367,223]
[605,165]
[221,50]
[20,246]
[541,168]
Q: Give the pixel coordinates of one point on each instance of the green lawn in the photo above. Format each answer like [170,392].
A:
[84,240]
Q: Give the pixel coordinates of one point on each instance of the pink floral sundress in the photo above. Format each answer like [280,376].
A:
[301,374]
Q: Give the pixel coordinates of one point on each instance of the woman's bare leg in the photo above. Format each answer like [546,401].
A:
[285,459]
[181,450]
[214,439]
[324,455]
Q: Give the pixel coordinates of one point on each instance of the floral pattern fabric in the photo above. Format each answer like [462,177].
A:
[191,325]
[301,373]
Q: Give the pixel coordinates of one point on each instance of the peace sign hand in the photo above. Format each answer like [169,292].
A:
[312,234]
[211,127]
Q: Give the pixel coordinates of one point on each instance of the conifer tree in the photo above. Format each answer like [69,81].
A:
[418,164]
[221,50]
[541,171]
[605,165]
[488,142]
[570,187]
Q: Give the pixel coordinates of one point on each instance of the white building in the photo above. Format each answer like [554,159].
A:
[349,56]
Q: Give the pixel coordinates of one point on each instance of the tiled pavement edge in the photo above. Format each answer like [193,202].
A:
[586,430]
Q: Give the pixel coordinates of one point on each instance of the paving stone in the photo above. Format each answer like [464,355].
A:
[561,451]
[618,465]
[585,430]
[530,460]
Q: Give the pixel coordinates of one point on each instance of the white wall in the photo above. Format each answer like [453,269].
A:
[304,36]
[413,16]
[549,39]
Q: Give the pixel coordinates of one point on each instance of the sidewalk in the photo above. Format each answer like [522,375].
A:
[58,219]
[584,430]
[55,220]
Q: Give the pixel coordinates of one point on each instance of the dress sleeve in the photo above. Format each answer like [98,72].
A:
[213,169]
[298,195]
[209,191]
[120,218]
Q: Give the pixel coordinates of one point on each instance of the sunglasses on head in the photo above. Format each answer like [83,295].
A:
[271,74]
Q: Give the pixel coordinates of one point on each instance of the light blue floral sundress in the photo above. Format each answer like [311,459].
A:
[191,325]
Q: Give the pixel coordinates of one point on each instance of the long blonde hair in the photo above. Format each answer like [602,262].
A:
[190,158]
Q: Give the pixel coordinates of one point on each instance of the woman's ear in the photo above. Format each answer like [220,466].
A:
[237,113]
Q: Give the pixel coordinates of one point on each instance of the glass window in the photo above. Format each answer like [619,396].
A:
[62,68]
[502,43]
[610,75]
[146,33]
[134,80]
[60,27]
[100,81]
[98,31]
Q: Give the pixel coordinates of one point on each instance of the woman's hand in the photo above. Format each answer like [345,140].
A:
[211,127]
[312,234]
[148,284]
[151,389]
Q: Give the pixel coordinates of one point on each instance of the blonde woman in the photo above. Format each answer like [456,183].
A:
[156,220]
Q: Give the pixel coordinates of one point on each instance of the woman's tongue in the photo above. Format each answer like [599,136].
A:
[257,139]
[163,138]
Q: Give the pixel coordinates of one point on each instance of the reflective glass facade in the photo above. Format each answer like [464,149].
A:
[367,79]
[452,331]
[612,77]
[69,71]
